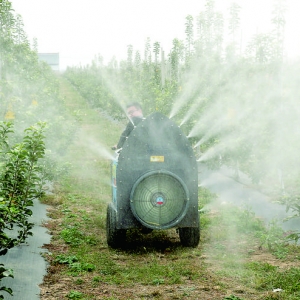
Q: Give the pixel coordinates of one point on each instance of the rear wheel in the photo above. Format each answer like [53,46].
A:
[115,237]
[189,236]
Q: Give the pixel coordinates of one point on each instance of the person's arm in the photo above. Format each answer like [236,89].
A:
[124,135]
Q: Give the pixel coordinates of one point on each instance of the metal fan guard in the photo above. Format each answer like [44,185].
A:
[159,199]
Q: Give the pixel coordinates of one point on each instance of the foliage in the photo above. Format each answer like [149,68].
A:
[287,280]
[232,104]
[28,95]
[232,297]
[226,263]
[3,274]
[63,259]
[275,239]
[29,89]
[20,183]
[292,202]
[75,295]
[205,197]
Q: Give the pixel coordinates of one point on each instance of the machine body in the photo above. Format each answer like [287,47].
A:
[154,183]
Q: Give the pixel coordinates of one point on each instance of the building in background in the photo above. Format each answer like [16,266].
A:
[52,59]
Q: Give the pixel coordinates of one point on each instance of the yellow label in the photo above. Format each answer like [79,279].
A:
[157,158]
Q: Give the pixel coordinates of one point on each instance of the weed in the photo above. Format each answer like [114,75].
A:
[85,218]
[274,238]
[97,279]
[72,236]
[220,246]
[294,236]
[260,267]
[287,280]
[71,216]
[78,267]
[247,222]
[65,259]
[79,281]
[158,281]
[90,240]
[75,295]
[205,197]
[232,297]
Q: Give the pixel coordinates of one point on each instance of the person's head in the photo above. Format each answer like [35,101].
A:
[134,110]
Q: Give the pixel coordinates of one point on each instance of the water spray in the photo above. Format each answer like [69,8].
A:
[192,110]
[98,148]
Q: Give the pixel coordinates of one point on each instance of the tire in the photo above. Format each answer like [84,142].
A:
[189,236]
[115,237]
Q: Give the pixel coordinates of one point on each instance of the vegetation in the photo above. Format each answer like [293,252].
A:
[29,103]
[211,88]
[20,183]
[238,257]
[237,108]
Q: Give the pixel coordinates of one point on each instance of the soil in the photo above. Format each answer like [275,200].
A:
[57,286]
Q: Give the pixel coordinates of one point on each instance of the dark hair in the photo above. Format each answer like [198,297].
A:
[135,104]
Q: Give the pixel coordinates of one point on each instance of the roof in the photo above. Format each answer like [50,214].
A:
[49,58]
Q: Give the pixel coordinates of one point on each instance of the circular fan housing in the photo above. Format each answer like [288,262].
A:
[159,199]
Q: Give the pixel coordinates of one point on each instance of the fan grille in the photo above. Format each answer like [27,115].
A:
[159,200]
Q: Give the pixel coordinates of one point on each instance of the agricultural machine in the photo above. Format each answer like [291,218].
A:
[154,183]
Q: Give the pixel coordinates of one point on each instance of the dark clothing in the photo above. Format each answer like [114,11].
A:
[127,131]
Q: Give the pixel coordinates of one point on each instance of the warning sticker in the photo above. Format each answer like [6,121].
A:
[157,158]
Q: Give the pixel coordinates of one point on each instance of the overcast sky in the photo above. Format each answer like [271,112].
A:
[80,29]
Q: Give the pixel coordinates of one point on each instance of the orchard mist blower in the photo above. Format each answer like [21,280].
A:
[154,183]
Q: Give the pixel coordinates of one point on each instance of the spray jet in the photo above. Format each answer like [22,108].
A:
[191,111]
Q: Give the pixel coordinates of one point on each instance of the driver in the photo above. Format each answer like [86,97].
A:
[135,114]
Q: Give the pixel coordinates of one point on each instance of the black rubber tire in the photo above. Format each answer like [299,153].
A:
[189,236]
[115,237]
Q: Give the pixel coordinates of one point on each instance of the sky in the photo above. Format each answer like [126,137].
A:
[78,30]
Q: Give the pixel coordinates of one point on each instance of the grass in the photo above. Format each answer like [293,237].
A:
[236,258]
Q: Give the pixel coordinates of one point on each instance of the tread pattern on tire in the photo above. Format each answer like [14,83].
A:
[115,237]
[189,236]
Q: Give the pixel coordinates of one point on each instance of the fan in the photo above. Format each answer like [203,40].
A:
[159,199]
